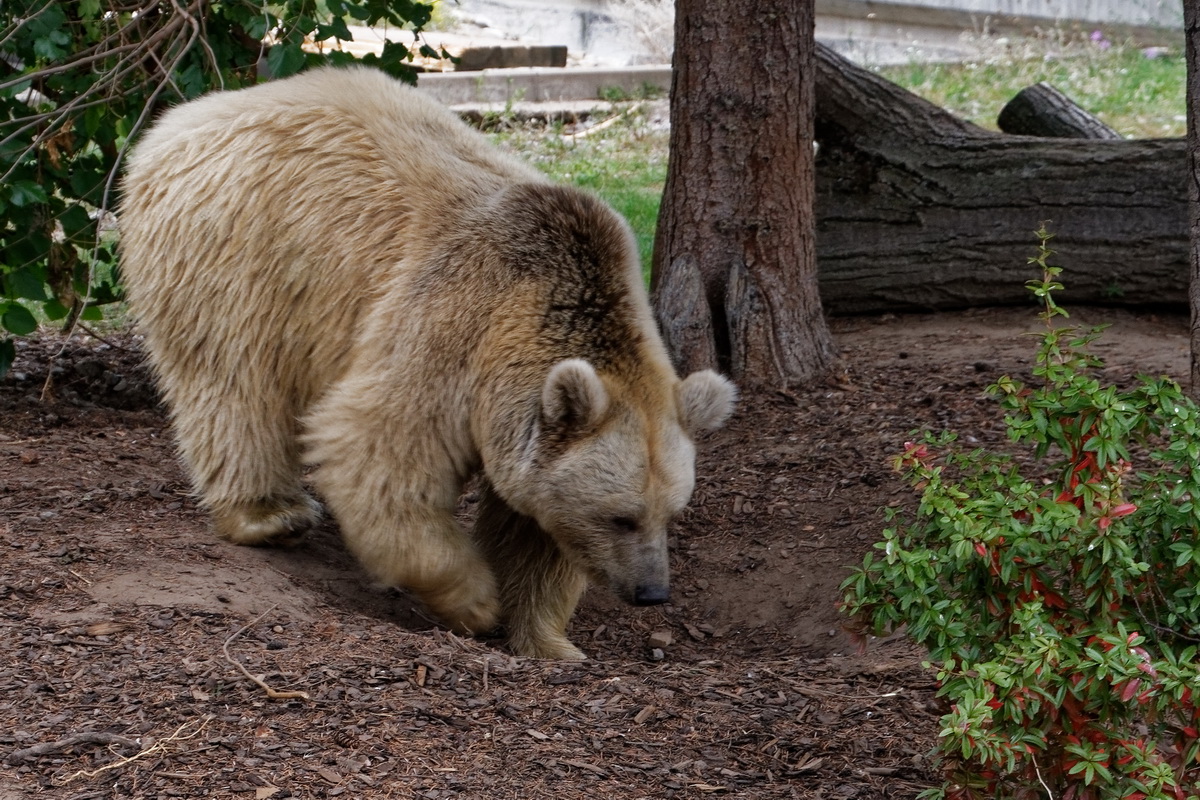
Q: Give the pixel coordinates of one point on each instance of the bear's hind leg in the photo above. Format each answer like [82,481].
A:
[539,590]
[245,467]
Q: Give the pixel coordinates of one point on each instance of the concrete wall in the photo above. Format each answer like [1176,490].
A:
[1162,13]
[624,32]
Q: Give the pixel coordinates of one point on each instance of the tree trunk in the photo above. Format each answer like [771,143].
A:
[734,275]
[1042,110]
[919,210]
[1191,25]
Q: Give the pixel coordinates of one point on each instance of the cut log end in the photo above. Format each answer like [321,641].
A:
[1042,110]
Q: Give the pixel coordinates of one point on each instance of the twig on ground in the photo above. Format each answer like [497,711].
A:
[608,123]
[1041,780]
[157,747]
[271,693]
[97,336]
[87,737]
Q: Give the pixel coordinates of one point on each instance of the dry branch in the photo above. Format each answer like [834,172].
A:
[87,737]
[157,747]
[271,693]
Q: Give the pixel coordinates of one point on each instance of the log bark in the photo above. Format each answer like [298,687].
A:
[734,273]
[919,210]
[1042,110]
[1191,26]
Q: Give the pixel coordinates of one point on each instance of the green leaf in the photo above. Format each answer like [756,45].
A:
[259,25]
[26,285]
[26,193]
[54,310]
[52,47]
[334,29]
[285,59]
[17,319]
[75,222]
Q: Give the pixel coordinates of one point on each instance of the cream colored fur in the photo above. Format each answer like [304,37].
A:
[333,270]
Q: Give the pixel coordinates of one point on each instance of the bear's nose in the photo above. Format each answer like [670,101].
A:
[651,595]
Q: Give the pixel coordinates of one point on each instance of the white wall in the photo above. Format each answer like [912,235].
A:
[1165,13]
[627,32]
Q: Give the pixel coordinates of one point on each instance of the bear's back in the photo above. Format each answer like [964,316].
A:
[286,209]
[331,142]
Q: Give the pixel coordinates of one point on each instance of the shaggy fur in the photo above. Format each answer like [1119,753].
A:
[333,270]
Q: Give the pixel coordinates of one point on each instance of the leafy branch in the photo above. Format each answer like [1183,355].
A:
[79,81]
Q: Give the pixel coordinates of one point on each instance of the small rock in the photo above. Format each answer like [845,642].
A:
[660,639]
[90,368]
[657,655]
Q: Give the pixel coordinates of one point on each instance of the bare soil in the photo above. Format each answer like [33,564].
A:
[122,616]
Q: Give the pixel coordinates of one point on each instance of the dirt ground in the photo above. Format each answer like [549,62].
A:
[122,616]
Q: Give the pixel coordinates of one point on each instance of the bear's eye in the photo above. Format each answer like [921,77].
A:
[625,524]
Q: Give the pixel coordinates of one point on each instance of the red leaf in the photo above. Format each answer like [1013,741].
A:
[1055,600]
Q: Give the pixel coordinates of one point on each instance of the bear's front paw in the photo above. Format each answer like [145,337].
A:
[558,648]
[471,609]
[280,522]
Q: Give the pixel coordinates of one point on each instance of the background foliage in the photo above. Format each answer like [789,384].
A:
[78,80]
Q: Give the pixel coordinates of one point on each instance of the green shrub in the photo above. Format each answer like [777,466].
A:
[1057,588]
[81,79]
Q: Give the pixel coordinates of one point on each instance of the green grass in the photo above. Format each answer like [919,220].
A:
[1139,97]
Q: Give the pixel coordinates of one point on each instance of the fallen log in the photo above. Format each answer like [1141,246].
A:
[1042,110]
[919,210]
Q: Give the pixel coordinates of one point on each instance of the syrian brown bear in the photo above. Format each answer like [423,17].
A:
[332,270]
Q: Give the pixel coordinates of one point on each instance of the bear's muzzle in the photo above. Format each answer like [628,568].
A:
[653,595]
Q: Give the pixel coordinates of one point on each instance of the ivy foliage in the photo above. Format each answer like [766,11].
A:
[79,80]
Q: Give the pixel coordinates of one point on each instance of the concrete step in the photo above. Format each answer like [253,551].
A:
[544,85]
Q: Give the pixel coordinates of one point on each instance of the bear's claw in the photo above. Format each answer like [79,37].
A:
[268,522]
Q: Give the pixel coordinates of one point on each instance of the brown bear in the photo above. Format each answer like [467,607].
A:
[333,270]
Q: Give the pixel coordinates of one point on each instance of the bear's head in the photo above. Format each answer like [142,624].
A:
[609,465]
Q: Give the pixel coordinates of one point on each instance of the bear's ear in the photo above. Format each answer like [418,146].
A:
[705,401]
[573,395]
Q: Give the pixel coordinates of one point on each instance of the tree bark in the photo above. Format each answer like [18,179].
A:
[734,273]
[919,210]
[1191,25]
[1042,110]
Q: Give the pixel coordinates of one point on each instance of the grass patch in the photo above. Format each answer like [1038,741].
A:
[1137,95]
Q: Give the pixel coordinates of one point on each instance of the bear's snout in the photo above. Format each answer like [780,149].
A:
[653,595]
